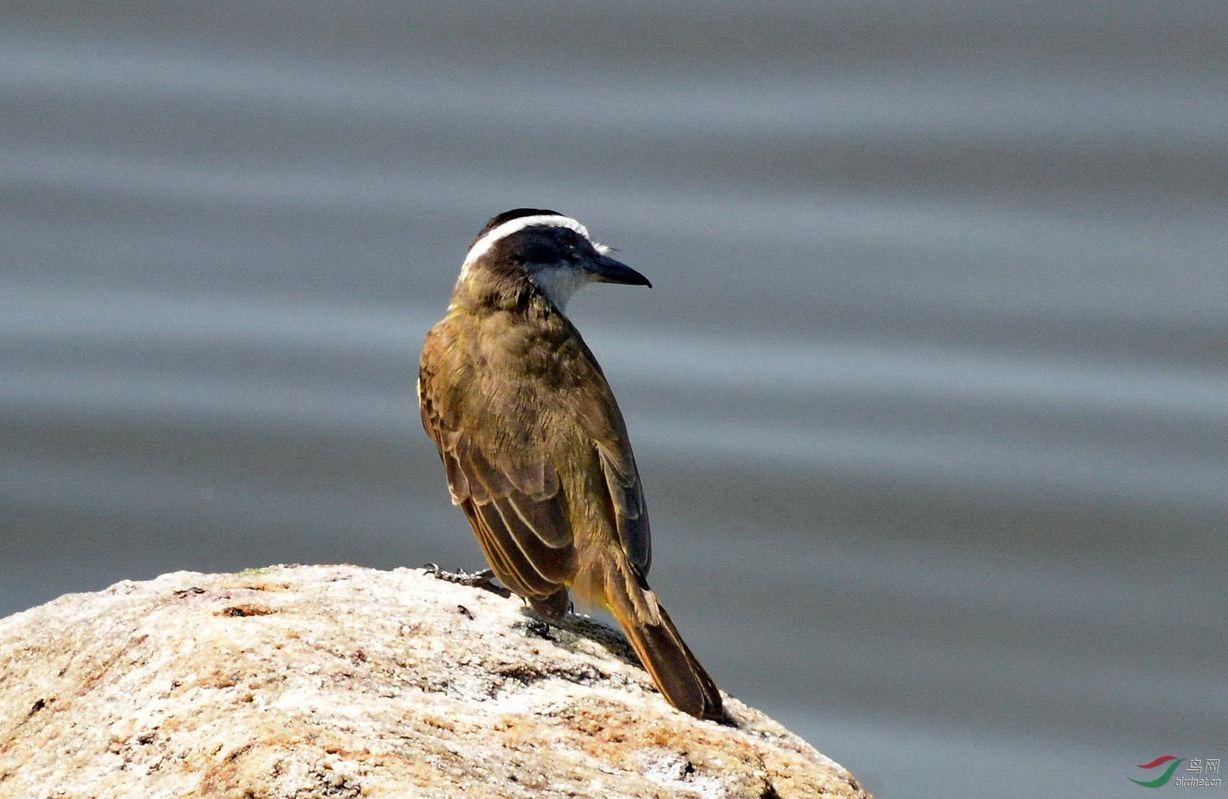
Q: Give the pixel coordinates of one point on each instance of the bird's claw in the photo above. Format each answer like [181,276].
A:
[484,579]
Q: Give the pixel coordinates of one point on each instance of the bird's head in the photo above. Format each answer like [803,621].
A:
[544,248]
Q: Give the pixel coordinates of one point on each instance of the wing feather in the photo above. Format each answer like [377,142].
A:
[627,500]
[502,472]
[556,565]
[546,519]
[517,509]
[509,567]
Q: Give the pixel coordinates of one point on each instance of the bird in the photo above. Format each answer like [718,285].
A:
[534,447]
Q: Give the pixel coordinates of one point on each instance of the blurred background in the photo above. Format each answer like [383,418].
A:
[930,399]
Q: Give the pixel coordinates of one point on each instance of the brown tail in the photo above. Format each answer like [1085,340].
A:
[669,661]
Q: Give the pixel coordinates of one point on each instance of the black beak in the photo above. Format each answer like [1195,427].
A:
[607,270]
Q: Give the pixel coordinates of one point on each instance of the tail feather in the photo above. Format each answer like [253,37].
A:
[666,657]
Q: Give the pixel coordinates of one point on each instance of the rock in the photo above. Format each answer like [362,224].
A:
[338,681]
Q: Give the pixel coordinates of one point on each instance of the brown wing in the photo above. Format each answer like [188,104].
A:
[627,499]
[517,509]
[593,409]
[511,490]
[599,415]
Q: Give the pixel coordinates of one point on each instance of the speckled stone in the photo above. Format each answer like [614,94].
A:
[338,681]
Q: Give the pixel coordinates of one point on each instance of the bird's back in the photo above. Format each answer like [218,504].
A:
[530,397]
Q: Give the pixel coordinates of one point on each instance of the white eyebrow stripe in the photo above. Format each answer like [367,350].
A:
[483,245]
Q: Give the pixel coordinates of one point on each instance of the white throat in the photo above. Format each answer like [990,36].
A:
[558,283]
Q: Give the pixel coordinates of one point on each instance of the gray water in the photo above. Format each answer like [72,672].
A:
[930,399]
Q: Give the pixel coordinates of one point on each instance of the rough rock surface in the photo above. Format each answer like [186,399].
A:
[337,681]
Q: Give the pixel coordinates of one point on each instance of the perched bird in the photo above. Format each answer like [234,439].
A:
[534,446]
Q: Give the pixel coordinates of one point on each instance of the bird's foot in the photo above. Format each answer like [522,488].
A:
[484,579]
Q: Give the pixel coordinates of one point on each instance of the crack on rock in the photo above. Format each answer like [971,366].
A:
[523,674]
[769,792]
[90,679]
[528,675]
[430,685]
[240,611]
[238,752]
[183,592]
[39,705]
